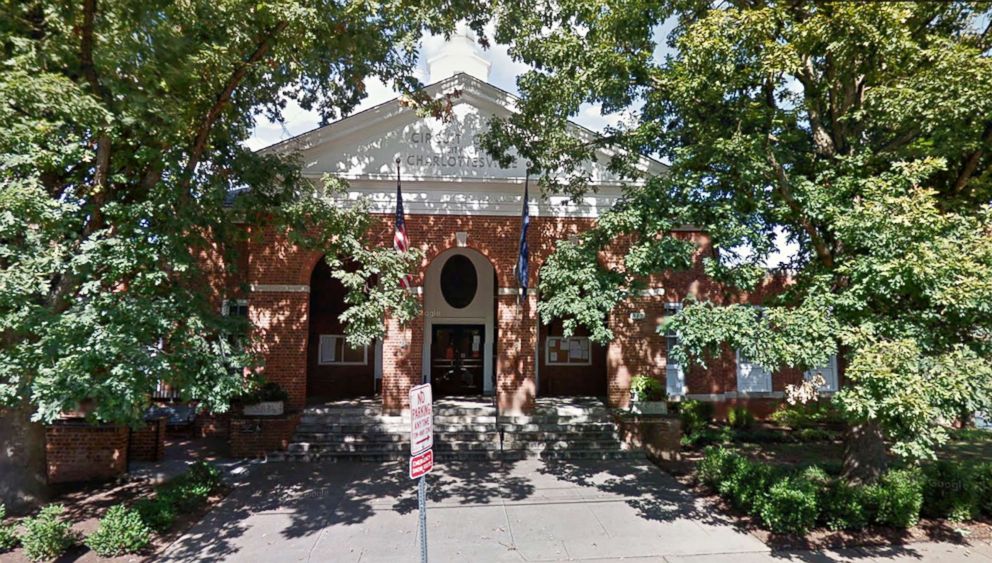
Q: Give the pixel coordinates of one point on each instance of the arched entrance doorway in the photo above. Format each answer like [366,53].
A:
[335,370]
[459,326]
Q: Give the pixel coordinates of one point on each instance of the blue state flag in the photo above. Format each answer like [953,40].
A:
[523,258]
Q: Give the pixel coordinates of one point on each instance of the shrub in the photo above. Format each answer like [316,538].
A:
[843,506]
[715,466]
[740,418]
[121,531]
[646,388]
[983,485]
[806,415]
[158,514]
[897,498]
[261,392]
[708,436]
[790,506]
[696,416]
[8,534]
[950,490]
[47,535]
[190,491]
[753,484]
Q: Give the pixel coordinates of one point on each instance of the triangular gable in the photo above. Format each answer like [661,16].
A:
[365,146]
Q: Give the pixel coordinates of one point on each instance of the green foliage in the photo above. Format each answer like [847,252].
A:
[646,388]
[121,531]
[953,489]
[267,391]
[844,506]
[47,535]
[790,506]
[123,137]
[158,514]
[779,120]
[739,418]
[189,492]
[715,465]
[803,416]
[897,498]
[8,532]
[695,415]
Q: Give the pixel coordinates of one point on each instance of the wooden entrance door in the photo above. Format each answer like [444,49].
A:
[457,359]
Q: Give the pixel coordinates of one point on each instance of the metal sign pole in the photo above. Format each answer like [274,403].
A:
[422,501]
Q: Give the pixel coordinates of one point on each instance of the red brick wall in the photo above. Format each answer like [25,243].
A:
[258,436]
[76,451]
[147,443]
[280,316]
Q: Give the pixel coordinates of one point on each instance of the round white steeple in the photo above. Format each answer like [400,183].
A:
[459,54]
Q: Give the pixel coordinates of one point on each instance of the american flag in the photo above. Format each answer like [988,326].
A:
[400,241]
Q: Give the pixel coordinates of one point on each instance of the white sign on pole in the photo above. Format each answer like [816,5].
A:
[421,419]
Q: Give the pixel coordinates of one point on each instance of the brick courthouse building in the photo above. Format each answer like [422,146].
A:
[474,337]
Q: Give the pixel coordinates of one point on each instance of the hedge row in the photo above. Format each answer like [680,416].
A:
[122,529]
[798,500]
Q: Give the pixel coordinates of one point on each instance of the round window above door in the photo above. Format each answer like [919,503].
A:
[459,281]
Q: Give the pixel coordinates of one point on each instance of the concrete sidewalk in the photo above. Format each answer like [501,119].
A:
[516,511]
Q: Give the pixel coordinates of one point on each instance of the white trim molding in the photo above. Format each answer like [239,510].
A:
[651,292]
[278,288]
[514,291]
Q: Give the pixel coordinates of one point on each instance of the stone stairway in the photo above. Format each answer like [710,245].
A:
[464,430]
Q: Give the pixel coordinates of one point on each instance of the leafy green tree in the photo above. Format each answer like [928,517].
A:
[861,131]
[122,129]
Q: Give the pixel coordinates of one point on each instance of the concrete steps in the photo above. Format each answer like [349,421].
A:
[465,430]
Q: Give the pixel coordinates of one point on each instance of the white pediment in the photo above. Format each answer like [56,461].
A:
[443,167]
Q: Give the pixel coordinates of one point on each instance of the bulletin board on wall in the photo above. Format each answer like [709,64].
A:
[575,351]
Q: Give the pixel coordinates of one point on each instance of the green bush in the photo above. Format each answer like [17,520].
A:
[190,491]
[950,490]
[843,506]
[157,513]
[695,415]
[790,506]
[983,484]
[897,498]
[740,418]
[708,437]
[47,535]
[715,466]
[806,415]
[646,388]
[121,531]
[753,484]
[8,533]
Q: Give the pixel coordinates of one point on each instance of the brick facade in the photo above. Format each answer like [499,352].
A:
[258,436]
[77,451]
[279,275]
[147,443]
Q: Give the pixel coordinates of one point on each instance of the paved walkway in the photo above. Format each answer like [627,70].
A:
[522,511]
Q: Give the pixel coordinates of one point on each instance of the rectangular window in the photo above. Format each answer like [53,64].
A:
[829,373]
[571,351]
[334,350]
[751,377]
[674,375]
[235,308]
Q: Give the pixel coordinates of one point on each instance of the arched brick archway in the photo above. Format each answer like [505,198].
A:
[334,370]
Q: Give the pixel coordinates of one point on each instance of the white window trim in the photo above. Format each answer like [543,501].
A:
[225,306]
[832,366]
[673,370]
[547,351]
[331,338]
[770,378]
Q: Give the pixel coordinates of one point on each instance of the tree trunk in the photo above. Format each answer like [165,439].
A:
[22,460]
[865,458]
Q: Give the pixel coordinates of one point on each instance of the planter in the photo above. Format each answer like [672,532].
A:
[649,407]
[265,408]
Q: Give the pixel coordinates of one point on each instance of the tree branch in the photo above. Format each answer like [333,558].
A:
[823,143]
[239,73]
[971,163]
[785,192]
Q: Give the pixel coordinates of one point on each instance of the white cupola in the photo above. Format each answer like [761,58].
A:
[461,53]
